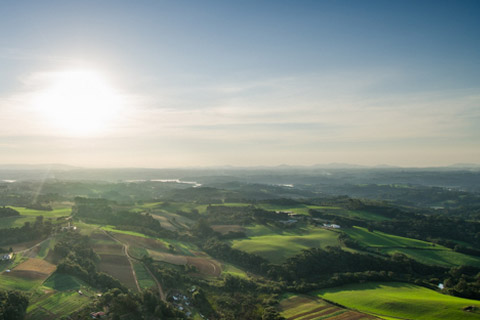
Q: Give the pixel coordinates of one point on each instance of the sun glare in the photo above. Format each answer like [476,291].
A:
[79,102]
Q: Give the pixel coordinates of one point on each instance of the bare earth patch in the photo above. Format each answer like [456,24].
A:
[205,266]
[118,267]
[135,241]
[33,269]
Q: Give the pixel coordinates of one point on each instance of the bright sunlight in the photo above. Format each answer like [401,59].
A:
[80,102]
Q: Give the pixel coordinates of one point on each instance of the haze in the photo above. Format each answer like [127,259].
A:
[174,84]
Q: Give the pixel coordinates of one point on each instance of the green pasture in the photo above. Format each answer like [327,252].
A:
[8,282]
[63,282]
[15,221]
[446,257]
[379,239]
[422,251]
[399,300]
[278,247]
[234,271]
[55,213]
[131,233]
[143,277]
[29,215]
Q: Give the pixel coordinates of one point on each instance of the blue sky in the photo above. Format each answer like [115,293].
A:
[244,82]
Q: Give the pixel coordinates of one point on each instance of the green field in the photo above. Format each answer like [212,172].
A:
[55,213]
[143,277]
[63,282]
[8,282]
[278,247]
[60,303]
[234,271]
[447,257]
[401,300]
[29,215]
[379,239]
[422,251]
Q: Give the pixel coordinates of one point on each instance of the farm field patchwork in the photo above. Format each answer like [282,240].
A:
[61,303]
[302,307]
[400,300]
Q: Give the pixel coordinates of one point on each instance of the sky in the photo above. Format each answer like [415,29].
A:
[242,83]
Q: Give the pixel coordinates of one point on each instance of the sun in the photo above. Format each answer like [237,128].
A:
[78,102]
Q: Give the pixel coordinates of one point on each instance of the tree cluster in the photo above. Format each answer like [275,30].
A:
[13,305]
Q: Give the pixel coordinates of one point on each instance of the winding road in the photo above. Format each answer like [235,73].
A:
[130,259]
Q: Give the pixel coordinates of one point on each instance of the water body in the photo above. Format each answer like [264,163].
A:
[193,183]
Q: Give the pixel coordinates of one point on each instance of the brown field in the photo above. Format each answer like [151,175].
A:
[34,269]
[164,222]
[23,245]
[135,241]
[226,228]
[110,248]
[168,257]
[100,236]
[353,315]
[205,266]
[314,308]
[118,267]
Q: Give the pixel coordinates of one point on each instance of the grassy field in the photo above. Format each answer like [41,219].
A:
[400,300]
[447,257]
[422,251]
[234,271]
[63,282]
[379,239]
[278,246]
[29,215]
[144,279]
[9,282]
[55,213]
